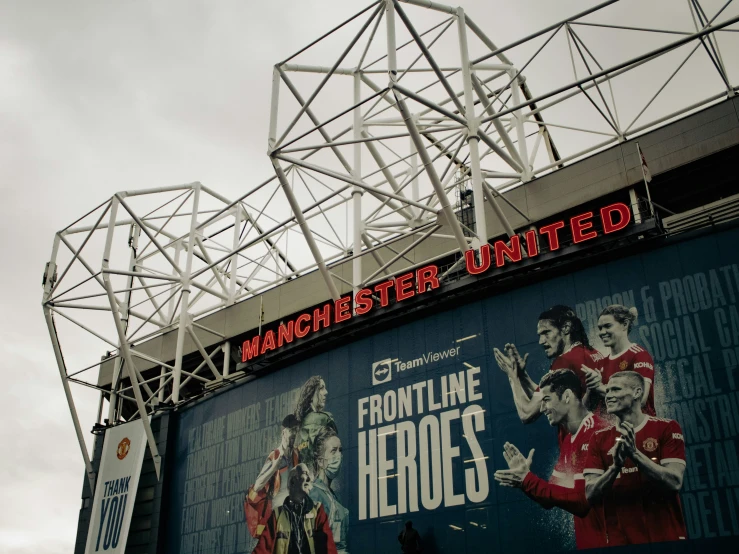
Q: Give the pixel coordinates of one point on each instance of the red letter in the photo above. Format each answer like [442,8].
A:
[300,332]
[513,253]
[470,262]
[285,334]
[532,249]
[363,301]
[342,311]
[250,350]
[404,287]
[269,341]
[578,225]
[321,317]
[382,288]
[607,215]
[427,276]
[551,232]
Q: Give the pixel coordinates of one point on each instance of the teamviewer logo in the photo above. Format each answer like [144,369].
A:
[381,371]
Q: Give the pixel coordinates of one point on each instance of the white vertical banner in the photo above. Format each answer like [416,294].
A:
[115,490]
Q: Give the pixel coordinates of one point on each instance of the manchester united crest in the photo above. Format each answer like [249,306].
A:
[623,365]
[650,444]
[123,447]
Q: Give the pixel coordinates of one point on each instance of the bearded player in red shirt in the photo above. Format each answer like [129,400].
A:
[562,405]
[614,324]
[634,470]
[565,342]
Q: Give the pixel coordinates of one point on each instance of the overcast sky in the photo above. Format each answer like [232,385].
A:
[100,96]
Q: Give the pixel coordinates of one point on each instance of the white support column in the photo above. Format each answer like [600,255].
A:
[162,381]
[272,139]
[185,298]
[357,192]
[414,174]
[118,364]
[392,60]
[307,233]
[523,153]
[473,140]
[48,285]
[226,358]
[133,244]
[172,300]
[235,258]
[125,350]
[91,476]
[131,370]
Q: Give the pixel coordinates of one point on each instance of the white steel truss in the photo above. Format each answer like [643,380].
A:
[416,103]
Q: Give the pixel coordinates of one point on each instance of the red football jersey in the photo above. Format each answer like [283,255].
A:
[568,472]
[574,358]
[635,358]
[637,510]
[573,450]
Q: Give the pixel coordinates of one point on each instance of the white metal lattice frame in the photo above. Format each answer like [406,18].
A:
[345,141]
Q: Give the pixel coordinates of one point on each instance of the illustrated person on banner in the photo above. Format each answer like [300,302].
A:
[614,324]
[267,491]
[300,525]
[563,338]
[311,417]
[562,405]
[634,470]
[328,458]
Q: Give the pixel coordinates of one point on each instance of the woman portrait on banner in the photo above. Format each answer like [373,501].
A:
[327,457]
[614,325]
[311,417]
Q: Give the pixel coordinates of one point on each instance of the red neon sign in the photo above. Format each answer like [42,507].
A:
[614,217]
[405,286]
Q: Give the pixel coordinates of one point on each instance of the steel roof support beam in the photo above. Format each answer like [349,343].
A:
[124,347]
[203,353]
[186,280]
[450,216]
[357,192]
[473,138]
[307,234]
[429,58]
[61,366]
[323,82]
[613,69]
[400,254]
[379,194]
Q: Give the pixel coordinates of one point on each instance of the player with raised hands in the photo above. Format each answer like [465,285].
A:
[634,470]
[563,338]
[562,405]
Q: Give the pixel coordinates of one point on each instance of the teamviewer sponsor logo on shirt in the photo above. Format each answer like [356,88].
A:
[382,371]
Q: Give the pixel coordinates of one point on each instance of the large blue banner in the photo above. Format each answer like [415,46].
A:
[592,410]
